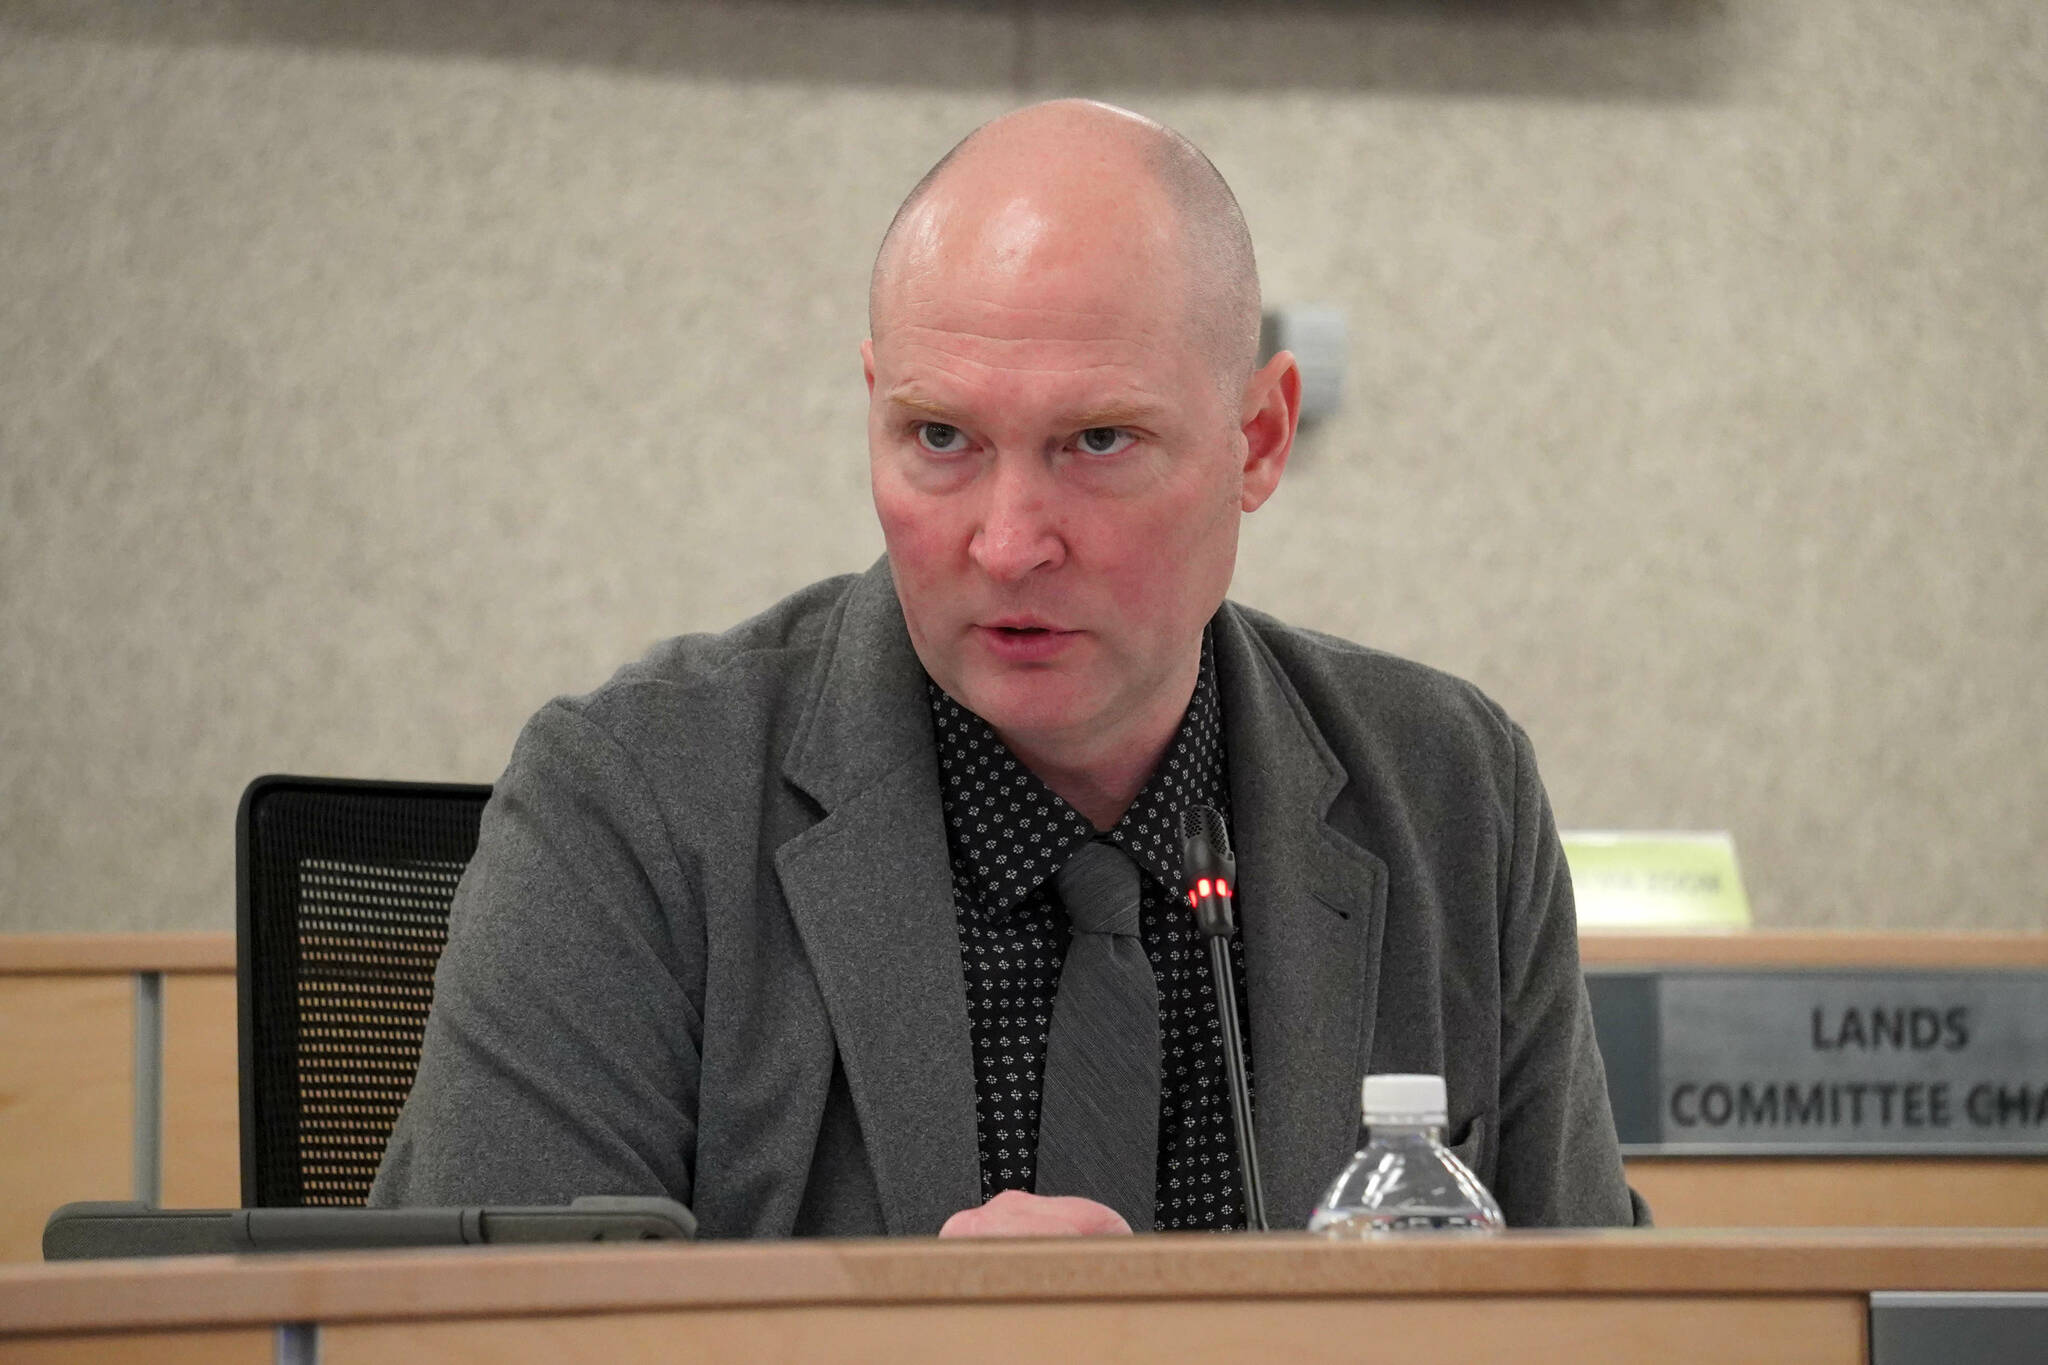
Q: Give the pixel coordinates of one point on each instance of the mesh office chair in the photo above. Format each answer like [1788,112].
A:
[342,893]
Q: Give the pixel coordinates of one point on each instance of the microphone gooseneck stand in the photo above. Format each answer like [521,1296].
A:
[1210,871]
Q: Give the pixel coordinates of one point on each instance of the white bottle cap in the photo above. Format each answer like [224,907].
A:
[1404,1099]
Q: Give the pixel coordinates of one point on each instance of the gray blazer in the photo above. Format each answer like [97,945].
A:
[707,946]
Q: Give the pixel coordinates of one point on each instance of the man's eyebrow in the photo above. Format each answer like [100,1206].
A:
[917,404]
[1117,415]
[1113,415]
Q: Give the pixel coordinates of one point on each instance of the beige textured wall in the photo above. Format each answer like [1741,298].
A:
[370,373]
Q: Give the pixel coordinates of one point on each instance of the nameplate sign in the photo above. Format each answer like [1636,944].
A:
[1834,1061]
[1636,880]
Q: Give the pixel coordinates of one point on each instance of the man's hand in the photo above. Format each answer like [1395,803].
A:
[1014,1213]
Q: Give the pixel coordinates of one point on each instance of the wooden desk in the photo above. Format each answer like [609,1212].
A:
[1813,949]
[70,1085]
[1526,1297]
[1746,1191]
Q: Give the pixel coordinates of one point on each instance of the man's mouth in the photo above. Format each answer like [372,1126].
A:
[1025,639]
[1023,624]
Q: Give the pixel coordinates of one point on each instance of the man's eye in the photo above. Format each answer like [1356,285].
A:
[940,439]
[1104,440]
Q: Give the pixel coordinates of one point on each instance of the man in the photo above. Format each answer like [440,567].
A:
[784,923]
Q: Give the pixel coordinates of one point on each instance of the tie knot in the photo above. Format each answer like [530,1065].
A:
[1099,888]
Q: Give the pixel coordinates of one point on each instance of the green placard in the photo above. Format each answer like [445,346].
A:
[1624,879]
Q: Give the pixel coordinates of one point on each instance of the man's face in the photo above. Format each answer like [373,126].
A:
[1059,480]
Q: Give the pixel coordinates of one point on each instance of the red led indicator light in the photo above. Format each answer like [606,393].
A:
[1202,887]
[1192,901]
[1222,887]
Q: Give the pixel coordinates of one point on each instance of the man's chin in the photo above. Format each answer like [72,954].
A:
[1025,710]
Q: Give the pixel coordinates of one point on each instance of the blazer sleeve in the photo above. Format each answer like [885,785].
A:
[1560,1164]
[561,1055]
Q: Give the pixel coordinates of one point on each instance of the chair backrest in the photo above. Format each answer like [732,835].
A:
[342,894]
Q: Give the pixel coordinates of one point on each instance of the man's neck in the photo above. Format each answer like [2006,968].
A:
[1100,791]
[1101,776]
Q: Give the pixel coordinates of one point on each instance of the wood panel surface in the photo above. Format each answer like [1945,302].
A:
[489,1282]
[202,1101]
[243,1346]
[1529,1331]
[1818,948]
[108,953]
[66,1019]
[67,1099]
[215,952]
[1869,1192]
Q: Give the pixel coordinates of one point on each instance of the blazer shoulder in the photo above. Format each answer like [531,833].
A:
[719,706]
[761,656]
[1355,691]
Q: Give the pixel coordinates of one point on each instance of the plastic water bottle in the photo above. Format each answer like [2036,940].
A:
[1405,1179]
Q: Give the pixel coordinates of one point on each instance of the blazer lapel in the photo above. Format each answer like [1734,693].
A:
[1312,906]
[870,889]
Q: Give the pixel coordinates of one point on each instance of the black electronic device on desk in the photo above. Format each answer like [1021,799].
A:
[125,1228]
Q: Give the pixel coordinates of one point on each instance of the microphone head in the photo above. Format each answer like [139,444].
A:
[1207,868]
[1205,844]
[1206,823]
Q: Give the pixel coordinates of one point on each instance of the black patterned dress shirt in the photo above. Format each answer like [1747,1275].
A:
[1008,833]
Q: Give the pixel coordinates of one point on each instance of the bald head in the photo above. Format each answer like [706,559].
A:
[1090,178]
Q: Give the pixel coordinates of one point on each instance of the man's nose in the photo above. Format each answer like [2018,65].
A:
[1017,535]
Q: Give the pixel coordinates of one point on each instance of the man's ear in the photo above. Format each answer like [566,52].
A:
[867,363]
[1268,417]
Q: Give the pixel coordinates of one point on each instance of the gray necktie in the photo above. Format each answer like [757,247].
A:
[1098,1125]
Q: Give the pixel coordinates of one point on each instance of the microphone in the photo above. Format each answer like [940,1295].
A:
[1208,868]
[1210,871]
